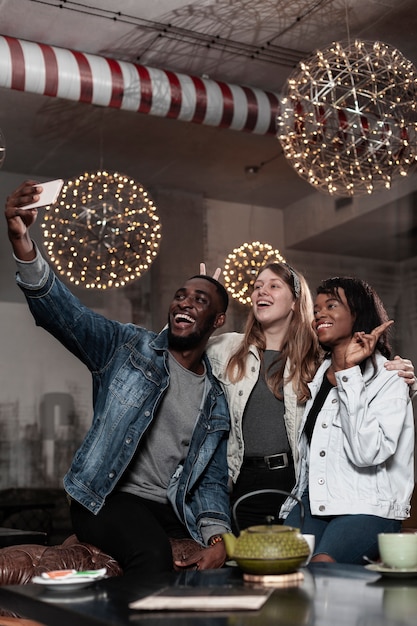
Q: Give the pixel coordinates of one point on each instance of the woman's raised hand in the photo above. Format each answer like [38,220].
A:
[363,344]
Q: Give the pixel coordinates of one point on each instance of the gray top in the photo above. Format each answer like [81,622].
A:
[264,429]
[166,443]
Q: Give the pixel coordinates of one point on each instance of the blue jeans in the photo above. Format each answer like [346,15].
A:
[345,538]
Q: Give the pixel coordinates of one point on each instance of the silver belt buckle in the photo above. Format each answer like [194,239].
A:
[276,461]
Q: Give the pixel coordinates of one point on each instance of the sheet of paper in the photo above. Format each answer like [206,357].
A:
[203,599]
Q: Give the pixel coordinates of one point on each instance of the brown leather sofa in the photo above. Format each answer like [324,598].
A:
[47,510]
[19,563]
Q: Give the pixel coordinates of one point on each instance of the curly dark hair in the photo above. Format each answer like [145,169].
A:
[364,303]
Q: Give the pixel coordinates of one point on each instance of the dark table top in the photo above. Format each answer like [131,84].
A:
[331,594]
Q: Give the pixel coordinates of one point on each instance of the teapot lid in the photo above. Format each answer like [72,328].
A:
[271,529]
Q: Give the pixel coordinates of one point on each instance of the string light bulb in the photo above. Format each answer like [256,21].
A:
[347,121]
[242,266]
[103,232]
[2,148]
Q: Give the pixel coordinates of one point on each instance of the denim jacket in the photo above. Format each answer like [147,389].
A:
[130,376]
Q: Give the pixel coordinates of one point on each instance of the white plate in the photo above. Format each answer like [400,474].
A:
[393,573]
[65,584]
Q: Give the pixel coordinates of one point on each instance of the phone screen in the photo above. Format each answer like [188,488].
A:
[49,194]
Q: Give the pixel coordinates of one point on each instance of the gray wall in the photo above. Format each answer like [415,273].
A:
[45,393]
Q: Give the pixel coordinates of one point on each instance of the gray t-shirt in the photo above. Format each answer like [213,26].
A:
[167,440]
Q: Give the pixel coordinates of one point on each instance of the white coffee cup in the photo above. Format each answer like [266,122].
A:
[398,550]
[311,540]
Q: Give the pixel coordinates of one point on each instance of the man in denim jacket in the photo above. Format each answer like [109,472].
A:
[153,464]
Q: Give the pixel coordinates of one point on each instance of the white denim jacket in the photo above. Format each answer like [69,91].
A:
[361,458]
[219,350]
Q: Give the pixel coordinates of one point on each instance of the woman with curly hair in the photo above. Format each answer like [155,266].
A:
[356,439]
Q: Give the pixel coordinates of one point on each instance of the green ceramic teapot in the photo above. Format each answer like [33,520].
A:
[269,548]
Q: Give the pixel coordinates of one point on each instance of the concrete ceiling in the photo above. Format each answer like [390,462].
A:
[256,43]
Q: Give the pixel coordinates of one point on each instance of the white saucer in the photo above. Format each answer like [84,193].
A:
[68,584]
[391,572]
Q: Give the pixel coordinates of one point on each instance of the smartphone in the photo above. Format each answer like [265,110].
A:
[49,194]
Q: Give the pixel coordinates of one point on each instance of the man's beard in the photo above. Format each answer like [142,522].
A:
[193,340]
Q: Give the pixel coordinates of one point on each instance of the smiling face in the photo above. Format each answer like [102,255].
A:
[195,312]
[272,299]
[333,319]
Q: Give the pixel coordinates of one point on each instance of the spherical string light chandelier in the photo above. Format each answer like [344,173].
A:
[242,266]
[347,122]
[103,232]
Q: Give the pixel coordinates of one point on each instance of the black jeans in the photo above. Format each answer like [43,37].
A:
[256,509]
[132,530]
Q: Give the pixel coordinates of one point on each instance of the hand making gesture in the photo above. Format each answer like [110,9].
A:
[362,344]
[216,274]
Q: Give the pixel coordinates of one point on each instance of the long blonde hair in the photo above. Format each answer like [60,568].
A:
[300,347]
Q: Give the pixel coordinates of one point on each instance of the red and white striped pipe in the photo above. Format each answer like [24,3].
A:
[61,73]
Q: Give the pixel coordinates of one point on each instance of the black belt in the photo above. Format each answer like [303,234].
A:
[271,462]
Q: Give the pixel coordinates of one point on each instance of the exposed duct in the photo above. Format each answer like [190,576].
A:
[61,73]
